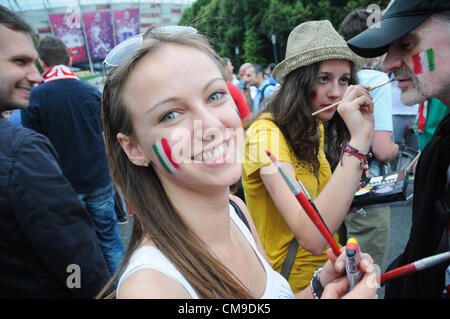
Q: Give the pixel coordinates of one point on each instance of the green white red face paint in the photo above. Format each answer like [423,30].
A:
[423,62]
[164,153]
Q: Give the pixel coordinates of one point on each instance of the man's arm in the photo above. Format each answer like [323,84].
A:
[384,149]
[52,217]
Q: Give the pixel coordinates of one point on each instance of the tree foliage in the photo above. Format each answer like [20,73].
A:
[249,24]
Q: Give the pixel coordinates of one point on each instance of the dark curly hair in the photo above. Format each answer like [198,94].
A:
[291,108]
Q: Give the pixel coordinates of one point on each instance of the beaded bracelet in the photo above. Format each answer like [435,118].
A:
[363,158]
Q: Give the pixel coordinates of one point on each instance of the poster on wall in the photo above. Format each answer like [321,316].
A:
[99,33]
[126,23]
[71,34]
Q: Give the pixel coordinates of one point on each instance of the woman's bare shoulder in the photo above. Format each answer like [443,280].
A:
[148,283]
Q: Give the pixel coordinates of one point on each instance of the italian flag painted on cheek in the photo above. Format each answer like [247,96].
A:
[423,61]
[164,153]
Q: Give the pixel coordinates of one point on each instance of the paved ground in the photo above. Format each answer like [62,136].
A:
[401,214]
[399,232]
[400,227]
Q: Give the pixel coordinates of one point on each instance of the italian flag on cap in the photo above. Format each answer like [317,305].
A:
[164,153]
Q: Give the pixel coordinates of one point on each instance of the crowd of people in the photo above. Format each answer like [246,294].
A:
[180,140]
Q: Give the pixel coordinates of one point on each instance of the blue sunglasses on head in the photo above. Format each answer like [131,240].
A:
[124,49]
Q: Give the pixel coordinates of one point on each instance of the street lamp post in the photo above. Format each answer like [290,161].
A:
[274,43]
[236,50]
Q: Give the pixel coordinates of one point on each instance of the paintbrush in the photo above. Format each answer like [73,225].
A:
[306,205]
[305,191]
[418,265]
[410,164]
[337,103]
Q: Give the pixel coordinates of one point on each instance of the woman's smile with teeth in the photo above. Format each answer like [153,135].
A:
[215,154]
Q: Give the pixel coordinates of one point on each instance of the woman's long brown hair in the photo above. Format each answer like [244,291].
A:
[291,108]
[154,214]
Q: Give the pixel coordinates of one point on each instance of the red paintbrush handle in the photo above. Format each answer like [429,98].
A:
[400,271]
[307,207]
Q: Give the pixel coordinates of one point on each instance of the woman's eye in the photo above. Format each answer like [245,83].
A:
[169,116]
[216,97]
[345,81]
[323,79]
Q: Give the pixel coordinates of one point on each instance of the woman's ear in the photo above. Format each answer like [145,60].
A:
[133,150]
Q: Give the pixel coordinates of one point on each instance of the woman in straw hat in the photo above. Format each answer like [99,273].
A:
[319,70]
[188,240]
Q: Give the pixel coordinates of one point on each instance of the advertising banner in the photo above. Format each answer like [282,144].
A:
[99,33]
[126,23]
[71,34]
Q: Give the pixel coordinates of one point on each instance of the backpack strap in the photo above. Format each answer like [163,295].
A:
[293,246]
[261,97]
[290,258]
[239,212]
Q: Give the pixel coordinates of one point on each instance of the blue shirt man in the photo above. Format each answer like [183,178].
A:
[265,90]
[254,76]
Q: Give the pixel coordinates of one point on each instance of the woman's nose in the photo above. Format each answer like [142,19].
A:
[335,91]
[207,124]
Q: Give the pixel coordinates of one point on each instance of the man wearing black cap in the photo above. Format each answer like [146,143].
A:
[416,37]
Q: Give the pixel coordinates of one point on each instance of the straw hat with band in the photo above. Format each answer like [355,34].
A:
[312,42]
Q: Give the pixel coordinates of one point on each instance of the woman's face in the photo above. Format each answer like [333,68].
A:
[332,81]
[184,119]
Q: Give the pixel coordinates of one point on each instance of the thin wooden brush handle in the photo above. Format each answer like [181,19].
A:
[326,108]
[337,103]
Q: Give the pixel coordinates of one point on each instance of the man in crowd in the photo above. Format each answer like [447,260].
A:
[242,71]
[416,36]
[254,76]
[236,94]
[67,111]
[48,246]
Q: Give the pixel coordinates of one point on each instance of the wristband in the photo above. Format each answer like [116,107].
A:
[363,158]
[316,286]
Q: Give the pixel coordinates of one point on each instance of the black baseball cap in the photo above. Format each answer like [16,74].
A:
[401,17]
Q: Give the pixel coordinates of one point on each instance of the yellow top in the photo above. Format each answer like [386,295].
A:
[275,235]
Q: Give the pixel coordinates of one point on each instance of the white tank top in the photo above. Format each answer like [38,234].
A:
[277,286]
